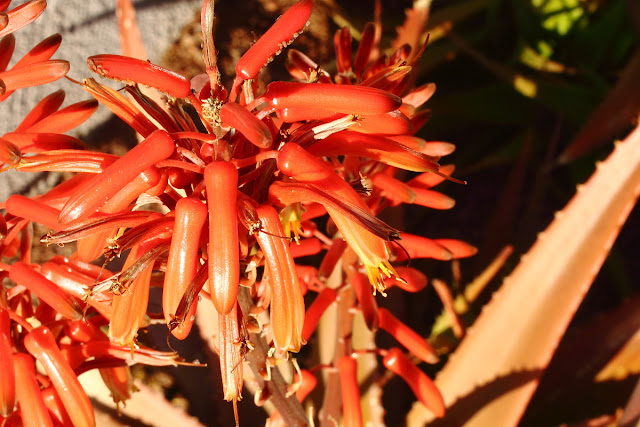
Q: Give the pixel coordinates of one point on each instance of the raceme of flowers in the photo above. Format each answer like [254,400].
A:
[214,207]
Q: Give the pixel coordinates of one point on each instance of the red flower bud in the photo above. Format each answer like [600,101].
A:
[281,34]
[351,410]
[42,345]
[221,181]
[129,70]
[423,387]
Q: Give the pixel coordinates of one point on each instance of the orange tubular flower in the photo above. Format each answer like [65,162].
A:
[351,411]
[346,99]
[221,181]
[282,33]
[63,120]
[118,379]
[7,383]
[33,410]
[95,193]
[407,337]
[46,290]
[23,15]
[374,147]
[130,305]
[184,260]
[297,163]
[366,300]
[287,305]
[91,247]
[424,389]
[412,280]
[316,310]
[238,117]
[42,345]
[128,69]
[57,412]
[37,74]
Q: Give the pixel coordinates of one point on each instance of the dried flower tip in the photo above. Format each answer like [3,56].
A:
[120,106]
[324,130]
[376,148]
[130,305]
[9,152]
[233,344]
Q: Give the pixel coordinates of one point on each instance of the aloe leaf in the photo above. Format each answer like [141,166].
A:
[490,378]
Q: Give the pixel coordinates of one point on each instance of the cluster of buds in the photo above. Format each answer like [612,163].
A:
[217,206]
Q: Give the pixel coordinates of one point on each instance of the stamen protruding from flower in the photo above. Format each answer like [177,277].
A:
[326,129]
[376,272]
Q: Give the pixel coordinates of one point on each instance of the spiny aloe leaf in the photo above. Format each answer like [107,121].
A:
[498,365]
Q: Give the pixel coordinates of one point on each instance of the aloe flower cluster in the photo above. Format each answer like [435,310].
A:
[215,205]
